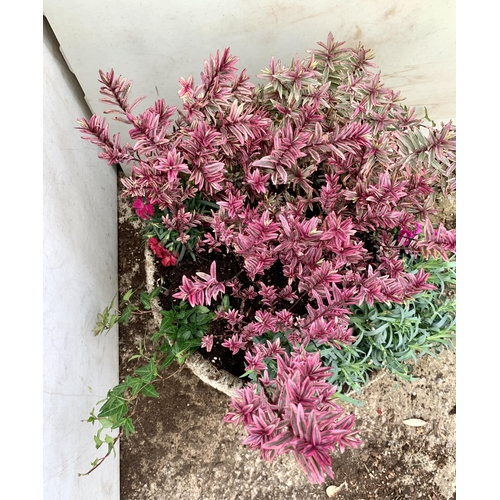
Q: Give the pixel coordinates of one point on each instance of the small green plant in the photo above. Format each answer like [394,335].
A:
[390,335]
[181,331]
[180,334]
[108,318]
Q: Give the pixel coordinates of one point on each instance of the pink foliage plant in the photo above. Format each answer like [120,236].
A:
[320,173]
[295,412]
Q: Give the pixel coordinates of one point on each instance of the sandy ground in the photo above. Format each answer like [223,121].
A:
[182,450]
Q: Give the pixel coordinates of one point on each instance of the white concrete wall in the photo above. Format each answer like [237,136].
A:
[155,42]
[79,280]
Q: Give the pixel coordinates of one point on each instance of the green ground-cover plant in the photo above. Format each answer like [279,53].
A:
[322,186]
[393,336]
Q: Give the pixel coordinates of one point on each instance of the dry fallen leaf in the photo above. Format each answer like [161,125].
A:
[414,422]
[331,491]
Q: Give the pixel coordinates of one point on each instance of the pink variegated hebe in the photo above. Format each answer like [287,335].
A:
[207,342]
[437,243]
[234,343]
[320,175]
[255,361]
[296,414]
[202,289]
[406,236]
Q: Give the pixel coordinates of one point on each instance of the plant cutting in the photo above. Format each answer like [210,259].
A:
[304,203]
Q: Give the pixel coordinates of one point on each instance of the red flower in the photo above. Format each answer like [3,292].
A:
[166,261]
[167,258]
[143,210]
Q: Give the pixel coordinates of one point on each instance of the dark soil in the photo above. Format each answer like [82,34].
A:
[227,268]
[166,457]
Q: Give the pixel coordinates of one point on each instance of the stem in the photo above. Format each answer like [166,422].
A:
[236,275]
[298,300]
[104,457]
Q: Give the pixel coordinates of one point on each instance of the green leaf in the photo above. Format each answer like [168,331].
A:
[225,303]
[347,399]
[128,427]
[124,318]
[135,386]
[182,356]
[98,329]
[148,372]
[157,336]
[168,361]
[181,255]
[150,391]
[112,322]
[185,334]
[210,204]
[98,442]
[127,296]
[113,407]
[428,119]
[146,301]
[106,423]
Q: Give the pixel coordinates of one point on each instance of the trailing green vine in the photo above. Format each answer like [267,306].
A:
[180,334]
